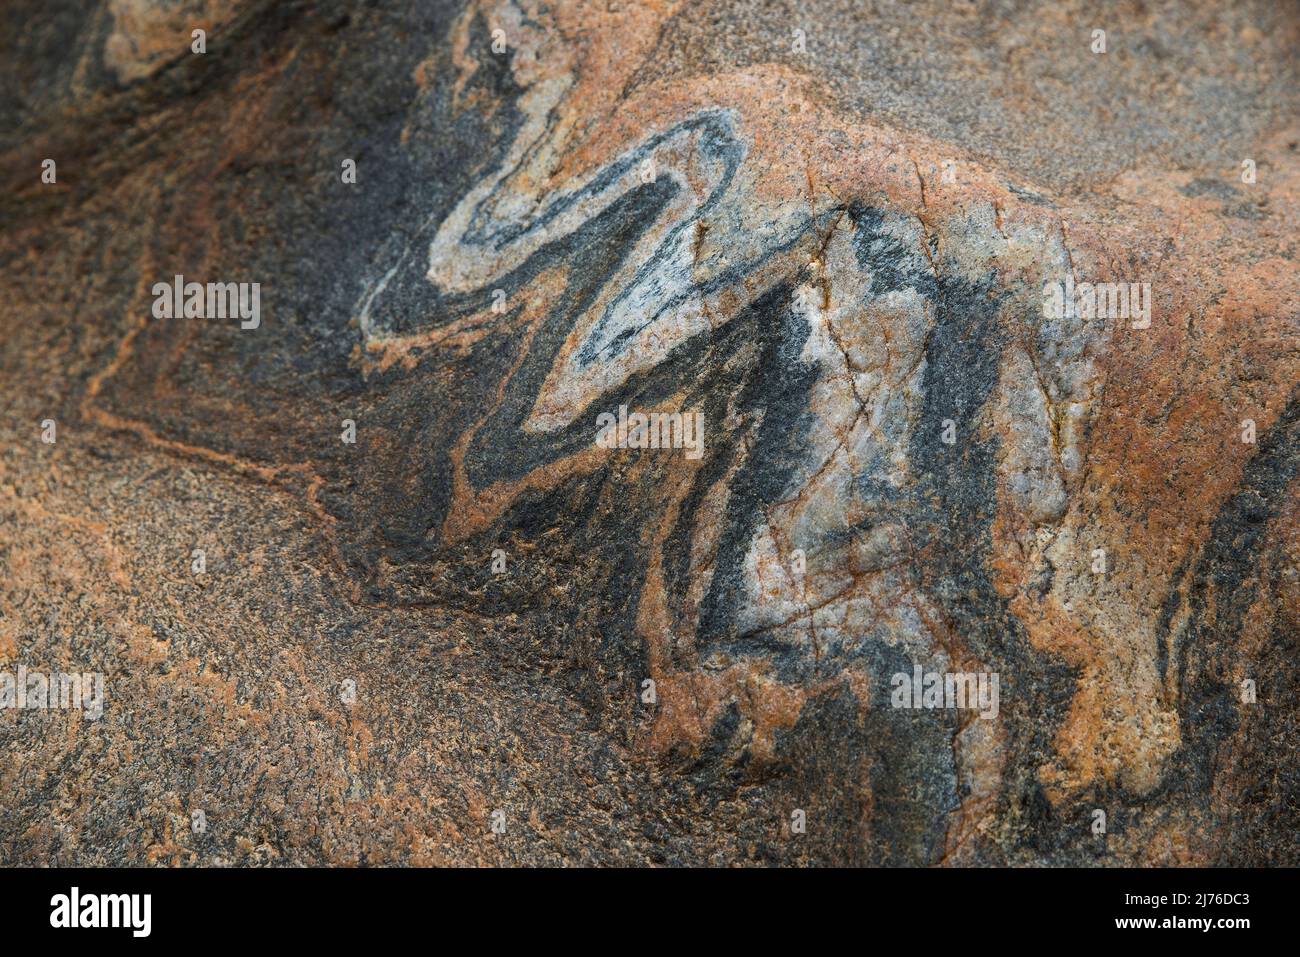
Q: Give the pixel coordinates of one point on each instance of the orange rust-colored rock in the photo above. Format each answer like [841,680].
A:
[430,600]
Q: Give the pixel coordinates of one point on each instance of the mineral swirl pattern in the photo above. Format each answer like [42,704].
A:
[910,463]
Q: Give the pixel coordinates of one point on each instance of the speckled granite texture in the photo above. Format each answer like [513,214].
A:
[477,635]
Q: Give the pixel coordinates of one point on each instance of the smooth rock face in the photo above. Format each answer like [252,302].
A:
[829,229]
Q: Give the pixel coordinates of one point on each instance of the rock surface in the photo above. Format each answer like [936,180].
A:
[827,227]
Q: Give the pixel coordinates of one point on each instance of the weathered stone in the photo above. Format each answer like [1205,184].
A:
[834,245]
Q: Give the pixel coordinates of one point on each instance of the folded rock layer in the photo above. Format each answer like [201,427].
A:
[829,230]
